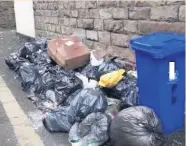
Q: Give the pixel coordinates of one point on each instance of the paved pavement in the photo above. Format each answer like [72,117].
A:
[9,42]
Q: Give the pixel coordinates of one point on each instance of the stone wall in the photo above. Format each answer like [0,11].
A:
[109,24]
[7,15]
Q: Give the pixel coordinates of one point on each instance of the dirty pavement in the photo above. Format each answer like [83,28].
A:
[75,108]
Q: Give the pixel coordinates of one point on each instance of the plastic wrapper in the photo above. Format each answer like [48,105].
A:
[93,130]
[111,79]
[86,102]
[66,84]
[56,120]
[107,67]
[14,61]
[136,126]
[50,95]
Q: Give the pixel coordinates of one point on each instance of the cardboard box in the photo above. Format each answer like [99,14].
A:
[68,52]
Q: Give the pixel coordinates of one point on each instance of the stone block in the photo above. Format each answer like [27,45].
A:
[51,28]
[68,30]
[83,13]
[143,3]
[80,33]
[73,22]
[105,13]
[113,25]
[88,23]
[54,13]
[66,13]
[80,23]
[182,13]
[149,26]
[52,6]
[107,4]
[65,4]
[91,4]
[74,13]
[89,43]
[104,37]
[60,20]
[120,13]
[175,2]
[92,35]
[94,13]
[164,13]
[98,24]
[54,20]
[58,29]
[139,13]
[80,4]
[61,12]
[66,21]
[130,26]
[71,5]
[124,4]
[60,4]
[119,40]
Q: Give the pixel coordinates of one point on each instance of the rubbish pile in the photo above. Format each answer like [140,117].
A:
[95,101]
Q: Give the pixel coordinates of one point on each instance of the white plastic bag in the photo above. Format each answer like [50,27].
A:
[94,61]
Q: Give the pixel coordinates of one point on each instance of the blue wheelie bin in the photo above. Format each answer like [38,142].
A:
[160,61]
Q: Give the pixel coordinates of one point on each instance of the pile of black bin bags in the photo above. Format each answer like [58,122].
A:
[86,113]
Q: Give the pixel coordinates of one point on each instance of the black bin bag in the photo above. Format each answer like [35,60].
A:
[107,67]
[87,101]
[14,61]
[126,90]
[27,51]
[92,130]
[136,126]
[66,84]
[30,79]
[56,120]
[41,43]
[90,71]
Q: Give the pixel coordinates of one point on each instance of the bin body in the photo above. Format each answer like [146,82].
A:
[156,90]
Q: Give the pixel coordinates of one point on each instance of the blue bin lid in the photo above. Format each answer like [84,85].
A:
[159,44]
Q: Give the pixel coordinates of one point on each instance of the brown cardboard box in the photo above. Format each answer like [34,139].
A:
[68,52]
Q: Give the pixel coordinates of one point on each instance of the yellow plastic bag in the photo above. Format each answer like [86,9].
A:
[111,79]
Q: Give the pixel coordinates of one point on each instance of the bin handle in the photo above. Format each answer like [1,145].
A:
[173,90]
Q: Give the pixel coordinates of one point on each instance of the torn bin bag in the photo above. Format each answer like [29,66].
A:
[92,130]
[87,101]
[56,120]
[65,85]
[136,126]
[14,61]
